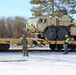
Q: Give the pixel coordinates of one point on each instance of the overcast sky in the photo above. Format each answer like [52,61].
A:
[16,8]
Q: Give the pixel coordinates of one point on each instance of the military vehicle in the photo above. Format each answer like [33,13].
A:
[52,28]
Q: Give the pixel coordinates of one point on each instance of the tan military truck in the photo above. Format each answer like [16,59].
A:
[52,29]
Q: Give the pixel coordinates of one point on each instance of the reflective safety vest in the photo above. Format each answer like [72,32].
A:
[66,40]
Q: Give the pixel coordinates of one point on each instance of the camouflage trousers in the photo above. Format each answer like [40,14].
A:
[25,51]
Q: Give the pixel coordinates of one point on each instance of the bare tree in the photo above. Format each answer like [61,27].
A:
[3,30]
[19,24]
[10,27]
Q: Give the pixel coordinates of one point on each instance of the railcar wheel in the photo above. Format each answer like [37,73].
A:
[61,33]
[50,34]
[59,47]
[52,47]
[4,47]
[72,48]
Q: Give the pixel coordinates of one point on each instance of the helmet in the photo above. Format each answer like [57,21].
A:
[66,35]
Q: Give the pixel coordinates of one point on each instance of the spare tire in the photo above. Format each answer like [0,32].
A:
[50,34]
[61,33]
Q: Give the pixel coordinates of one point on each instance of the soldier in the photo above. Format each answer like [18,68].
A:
[25,48]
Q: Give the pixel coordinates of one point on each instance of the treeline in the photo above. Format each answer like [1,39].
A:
[12,27]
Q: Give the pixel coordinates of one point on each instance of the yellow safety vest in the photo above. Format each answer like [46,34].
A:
[66,40]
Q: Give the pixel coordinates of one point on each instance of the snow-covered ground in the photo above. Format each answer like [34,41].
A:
[46,47]
[38,63]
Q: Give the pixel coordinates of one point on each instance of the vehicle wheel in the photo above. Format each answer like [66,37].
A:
[50,34]
[52,47]
[61,33]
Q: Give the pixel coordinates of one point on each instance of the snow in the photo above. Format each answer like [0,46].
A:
[29,47]
[38,63]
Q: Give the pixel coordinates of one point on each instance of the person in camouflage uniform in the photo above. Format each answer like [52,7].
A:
[24,48]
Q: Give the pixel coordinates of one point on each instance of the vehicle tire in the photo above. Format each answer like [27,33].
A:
[50,34]
[61,33]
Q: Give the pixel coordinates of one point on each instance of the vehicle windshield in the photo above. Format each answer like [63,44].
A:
[33,20]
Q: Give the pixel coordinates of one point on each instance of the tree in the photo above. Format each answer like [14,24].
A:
[53,7]
[19,24]
[10,26]
[3,30]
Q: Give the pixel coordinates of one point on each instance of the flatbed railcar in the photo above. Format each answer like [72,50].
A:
[57,44]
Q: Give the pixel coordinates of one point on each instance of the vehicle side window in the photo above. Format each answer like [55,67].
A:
[40,20]
[45,20]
